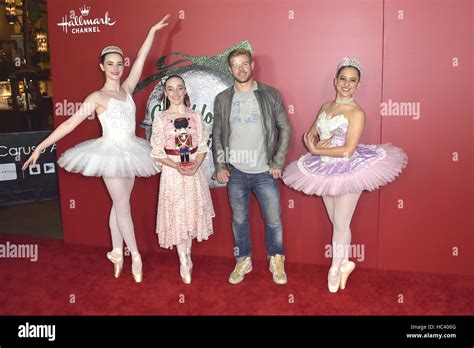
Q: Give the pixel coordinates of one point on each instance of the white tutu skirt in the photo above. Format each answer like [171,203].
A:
[127,157]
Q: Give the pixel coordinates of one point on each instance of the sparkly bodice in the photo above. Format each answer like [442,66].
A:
[118,121]
[333,126]
[336,125]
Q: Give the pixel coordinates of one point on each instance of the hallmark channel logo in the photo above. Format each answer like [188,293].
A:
[81,25]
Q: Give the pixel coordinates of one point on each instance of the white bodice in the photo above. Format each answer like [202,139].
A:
[333,126]
[336,125]
[118,121]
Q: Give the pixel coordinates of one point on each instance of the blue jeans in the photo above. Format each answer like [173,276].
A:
[266,190]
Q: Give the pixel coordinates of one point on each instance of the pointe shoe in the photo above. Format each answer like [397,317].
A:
[188,253]
[136,257]
[345,270]
[116,257]
[185,267]
[334,276]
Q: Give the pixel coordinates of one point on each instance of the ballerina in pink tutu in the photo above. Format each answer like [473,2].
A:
[338,168]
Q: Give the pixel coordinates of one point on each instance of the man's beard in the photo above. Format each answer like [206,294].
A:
[247,79]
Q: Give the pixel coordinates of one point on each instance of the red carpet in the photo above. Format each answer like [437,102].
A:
[64,272]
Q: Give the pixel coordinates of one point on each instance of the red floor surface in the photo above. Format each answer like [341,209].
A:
[82,275]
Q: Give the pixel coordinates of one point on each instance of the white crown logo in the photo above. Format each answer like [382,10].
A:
[85,10]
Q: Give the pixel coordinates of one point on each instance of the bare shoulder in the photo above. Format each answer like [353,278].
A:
[324,107]
[98,98]
[355,113]
[328,103]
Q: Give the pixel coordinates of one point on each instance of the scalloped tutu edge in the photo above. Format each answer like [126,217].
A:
[371,177]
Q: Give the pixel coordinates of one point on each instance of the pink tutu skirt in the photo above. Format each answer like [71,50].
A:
[370,167]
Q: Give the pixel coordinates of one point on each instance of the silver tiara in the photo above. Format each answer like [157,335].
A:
[350,62]
[111,49]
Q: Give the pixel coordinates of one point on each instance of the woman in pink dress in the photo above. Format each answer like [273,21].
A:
[179,142]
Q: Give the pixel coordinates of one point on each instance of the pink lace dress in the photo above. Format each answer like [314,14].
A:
[184,202]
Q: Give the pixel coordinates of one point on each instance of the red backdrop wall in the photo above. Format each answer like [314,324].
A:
[412,52]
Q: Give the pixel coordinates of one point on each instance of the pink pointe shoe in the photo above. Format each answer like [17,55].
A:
[116,257]
[136,258]
[185,266]
[334,279]
[345,270]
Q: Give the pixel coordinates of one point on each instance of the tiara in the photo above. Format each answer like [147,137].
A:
[350,62]
[111,49]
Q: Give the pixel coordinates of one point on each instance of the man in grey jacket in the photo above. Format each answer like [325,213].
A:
[250,137]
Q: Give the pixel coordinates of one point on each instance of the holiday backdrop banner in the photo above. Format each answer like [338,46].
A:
[416,91]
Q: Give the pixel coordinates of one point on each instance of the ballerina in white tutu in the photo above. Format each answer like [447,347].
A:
[118,156]
[338,168]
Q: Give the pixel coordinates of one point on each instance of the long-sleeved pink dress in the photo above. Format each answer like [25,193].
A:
[184,202]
